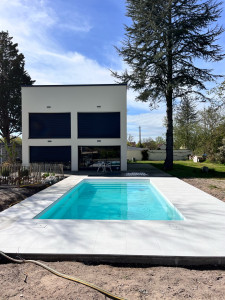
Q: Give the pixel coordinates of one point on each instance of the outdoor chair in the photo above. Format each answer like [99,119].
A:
[108,166]
[101,165]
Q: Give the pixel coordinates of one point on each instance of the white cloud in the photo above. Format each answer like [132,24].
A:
[151,125]
[83,28]
[69,68]
[133,104]
[47,61]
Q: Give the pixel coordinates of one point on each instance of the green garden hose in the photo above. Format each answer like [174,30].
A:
[20,261]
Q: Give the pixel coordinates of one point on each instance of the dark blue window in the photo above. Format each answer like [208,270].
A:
[50,154]
[49,125]
[99,125]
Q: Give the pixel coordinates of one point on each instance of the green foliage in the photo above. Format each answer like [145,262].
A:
[212,128]
[185,125]
[203,134]
[160,140]
[17,140]
[139,145]
[12,76]
[5,172]
[11,151]
[160,47]
[218,95]
[45,175]
[149,143]
[221,154]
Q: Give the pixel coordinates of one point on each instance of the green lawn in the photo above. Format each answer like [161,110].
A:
[189,169]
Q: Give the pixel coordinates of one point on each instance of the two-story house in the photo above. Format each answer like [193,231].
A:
[77,125]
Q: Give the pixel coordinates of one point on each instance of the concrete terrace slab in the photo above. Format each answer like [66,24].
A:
[197,240]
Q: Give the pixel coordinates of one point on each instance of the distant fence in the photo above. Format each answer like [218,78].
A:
[157,154]
[16,174]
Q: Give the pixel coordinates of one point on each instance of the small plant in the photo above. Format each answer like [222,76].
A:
[45,175]
[211,186]
[24,173]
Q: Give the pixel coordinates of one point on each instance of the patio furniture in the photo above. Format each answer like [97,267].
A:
[101,165]
[108,166]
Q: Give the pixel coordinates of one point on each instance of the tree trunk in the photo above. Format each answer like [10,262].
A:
[168,164]
[5,129]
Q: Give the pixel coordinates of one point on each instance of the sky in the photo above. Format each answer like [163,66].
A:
[72,42]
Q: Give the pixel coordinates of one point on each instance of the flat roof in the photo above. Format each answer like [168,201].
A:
[63,85]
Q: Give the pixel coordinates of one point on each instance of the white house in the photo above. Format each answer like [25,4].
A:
[78,125]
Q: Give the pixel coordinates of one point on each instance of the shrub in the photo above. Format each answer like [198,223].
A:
[24,173]
[221,154]
[45,175]
[5,172]
[144,154]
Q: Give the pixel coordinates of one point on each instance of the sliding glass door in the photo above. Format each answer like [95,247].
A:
[94,157]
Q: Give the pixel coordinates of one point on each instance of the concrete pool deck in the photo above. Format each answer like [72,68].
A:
[197,240]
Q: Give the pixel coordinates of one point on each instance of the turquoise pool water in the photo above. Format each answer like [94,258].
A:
[112,200]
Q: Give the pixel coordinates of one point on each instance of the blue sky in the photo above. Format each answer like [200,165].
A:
[72,42]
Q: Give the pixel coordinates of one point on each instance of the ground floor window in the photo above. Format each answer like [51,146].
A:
[102,157]
[51,154]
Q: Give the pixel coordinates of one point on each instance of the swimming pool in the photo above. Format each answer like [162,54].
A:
[96,199]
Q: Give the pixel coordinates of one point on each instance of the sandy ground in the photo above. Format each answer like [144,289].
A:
[28,281]
[214,187]
[129,283]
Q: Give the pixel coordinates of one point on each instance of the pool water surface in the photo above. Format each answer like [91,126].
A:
[96,199]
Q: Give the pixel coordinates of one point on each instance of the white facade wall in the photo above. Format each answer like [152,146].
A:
[74,99]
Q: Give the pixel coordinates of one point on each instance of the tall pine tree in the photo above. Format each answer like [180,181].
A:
[160,48]
[12,76]
[185,125]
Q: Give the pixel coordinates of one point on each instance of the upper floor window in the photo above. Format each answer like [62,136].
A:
[99,125]
[49,125]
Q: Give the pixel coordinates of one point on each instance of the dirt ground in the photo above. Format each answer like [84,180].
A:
[12,195]
[28,281]
[215,187]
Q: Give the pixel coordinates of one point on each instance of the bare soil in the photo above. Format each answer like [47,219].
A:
[13,195]
[28,281]
[215,187]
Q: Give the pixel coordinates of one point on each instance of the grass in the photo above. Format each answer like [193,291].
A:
[189,169]
[212,186]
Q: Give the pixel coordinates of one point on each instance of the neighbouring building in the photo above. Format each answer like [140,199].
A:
[80,126]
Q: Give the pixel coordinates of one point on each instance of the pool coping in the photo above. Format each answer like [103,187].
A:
[197,240]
